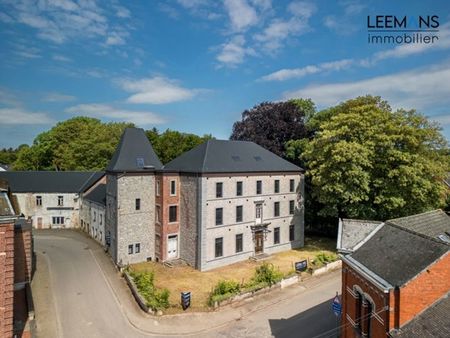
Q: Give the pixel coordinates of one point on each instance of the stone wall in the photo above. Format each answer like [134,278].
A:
[92,220]
[135,226]
[188,218]
[111,215]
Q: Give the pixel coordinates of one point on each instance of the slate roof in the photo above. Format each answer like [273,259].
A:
[134,153]
[223,156]
[352,232]
[98,194]
[432,224]
[397,255]
[91,180]
[434,322]
[48,181]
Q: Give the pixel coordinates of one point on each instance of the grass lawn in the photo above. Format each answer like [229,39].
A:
[178,279]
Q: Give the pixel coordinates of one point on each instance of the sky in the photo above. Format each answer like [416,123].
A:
[196,65]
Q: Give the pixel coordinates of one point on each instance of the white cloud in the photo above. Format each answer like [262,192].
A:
[108,112]
[59,21]
[62,58]
[420,88]
[352,7]
[15,115]
[58,97]
[241,14]
[27,52]
[115,38]
[286,74]
[234,51]
[443,120]
[156,90]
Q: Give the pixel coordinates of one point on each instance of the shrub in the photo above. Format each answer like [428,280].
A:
[224,289]
[265,273]
[155,299]
[323,258]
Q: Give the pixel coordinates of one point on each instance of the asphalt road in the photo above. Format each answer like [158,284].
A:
[73,299]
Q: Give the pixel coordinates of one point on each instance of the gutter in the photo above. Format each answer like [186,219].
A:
[374,278]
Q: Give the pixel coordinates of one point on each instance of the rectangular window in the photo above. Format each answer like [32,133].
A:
[173,213]
[277,186]
[158,187]
[173,188]
[219,189]
[60,201]
[239,243]
[219,247]
[219,216]
[291,232]
[239,188]
[276,209]
[239,211]
[58,220]
[138,204]
[291,185]
[38,201]
[158,214]
[101,219]
[258,187]
[95,216]
[291,207]
[130,249]
[137,248]
[276,236]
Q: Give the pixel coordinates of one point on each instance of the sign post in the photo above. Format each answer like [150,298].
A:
[337,309]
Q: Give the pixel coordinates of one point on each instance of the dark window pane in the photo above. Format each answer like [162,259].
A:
[219,247]
[239,188]
[258,187]
[276,235]
[239,243]
[239,213]
[291,207]
[137,248]
[276,209]
[277,186]
[291,185]
[138,204]
[173,213]
[291,232]
[219,188]
[219,216]
[130,249]
[173,187]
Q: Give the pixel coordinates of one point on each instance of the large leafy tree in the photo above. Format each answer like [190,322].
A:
[81,143]
[367,161]
[272,124]
[171,143]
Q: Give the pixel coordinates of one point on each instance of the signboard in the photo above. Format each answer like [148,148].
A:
[301,266]
[337,307]
[185,300]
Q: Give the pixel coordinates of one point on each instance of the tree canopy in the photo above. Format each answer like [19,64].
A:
[272,124]
[366,161]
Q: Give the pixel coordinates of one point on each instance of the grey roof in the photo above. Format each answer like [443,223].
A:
[4,167]
[223,156]
[6,208]
[48,181]
[432,224]
[97,194]
[354,231]
[397,255]
[434,322]
[134,153]
[92,180]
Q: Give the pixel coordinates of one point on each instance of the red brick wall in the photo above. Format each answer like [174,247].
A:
[350,279]
[425,289]
[6,279]
[23,255]
[166,201]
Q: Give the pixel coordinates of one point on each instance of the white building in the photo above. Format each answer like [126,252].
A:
[93,210]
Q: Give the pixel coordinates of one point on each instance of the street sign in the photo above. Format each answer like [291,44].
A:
[337,307]
[185,300]
[301,266]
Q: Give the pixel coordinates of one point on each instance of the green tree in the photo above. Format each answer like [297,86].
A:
[171,143]
[366,161]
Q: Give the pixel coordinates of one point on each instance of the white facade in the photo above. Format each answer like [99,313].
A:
[50,210]
[227,231]
[92,220]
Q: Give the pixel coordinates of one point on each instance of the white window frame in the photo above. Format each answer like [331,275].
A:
[174,182]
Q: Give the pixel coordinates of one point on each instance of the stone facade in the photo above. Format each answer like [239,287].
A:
[132,230]
[230,227]
[43,215]
[92,219]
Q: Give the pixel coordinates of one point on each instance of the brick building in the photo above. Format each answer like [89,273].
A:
[16,269]
[398,279]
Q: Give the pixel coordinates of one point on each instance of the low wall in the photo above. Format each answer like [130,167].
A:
[328,267]
[139,299]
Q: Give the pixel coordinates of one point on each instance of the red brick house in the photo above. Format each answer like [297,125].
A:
[399,280]
[16,257]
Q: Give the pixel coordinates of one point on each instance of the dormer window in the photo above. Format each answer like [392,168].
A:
[140,162]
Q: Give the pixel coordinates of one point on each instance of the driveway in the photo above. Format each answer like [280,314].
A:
[78,293]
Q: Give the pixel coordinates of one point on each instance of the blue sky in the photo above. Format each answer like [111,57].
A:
[195,65]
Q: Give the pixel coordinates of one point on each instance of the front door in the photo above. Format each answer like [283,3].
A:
[259,242]
[39,222]
[172,247]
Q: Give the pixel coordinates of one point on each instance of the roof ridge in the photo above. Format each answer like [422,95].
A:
[423,213]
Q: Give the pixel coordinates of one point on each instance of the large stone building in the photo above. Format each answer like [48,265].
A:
[397,282]
[51,199]
[221,202]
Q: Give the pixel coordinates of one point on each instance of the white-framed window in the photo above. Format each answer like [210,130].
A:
[130,249]
[60,201]
[158,187]
[39,201]
[137,248]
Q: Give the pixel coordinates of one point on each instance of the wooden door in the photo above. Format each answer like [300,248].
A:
[39,222]
[259,242]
